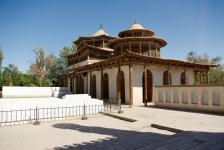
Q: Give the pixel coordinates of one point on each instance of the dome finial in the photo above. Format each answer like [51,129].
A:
[135,21]
[101,26]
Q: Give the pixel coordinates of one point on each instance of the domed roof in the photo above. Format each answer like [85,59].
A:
[136,26]
[100,32]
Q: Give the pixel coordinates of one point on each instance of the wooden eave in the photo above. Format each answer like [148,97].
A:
[85,46]
[131,57]
[91,37]
[154,39]
[131,30]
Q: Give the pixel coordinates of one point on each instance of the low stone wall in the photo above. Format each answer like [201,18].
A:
[33,92]
[209,98]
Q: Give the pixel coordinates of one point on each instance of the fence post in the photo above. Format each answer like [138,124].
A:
[84,117]
[36,122]
[119,105]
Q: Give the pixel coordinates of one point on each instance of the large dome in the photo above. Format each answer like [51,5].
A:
[136,26]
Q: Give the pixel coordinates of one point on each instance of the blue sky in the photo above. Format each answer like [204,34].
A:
[187,25]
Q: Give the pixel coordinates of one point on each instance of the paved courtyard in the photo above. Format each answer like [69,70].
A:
[201,131]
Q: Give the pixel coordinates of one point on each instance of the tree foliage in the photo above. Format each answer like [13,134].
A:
[63,56]
[44,71]
[41,67]
[216,74]
[1,57]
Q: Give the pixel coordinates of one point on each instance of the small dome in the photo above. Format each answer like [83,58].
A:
[136,26]
[100,32]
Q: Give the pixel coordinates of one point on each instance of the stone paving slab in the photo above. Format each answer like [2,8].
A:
[103,132]
[184,120]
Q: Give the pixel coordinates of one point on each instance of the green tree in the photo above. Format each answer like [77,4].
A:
[63,61]
[1,58]
[216,74]
[10,75]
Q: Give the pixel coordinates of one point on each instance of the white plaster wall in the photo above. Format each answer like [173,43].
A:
[93,61]
[125,69]
[137,72]
[83,63]
[98,83]
[190,75]
[112,75]
[175,76]
[157,74]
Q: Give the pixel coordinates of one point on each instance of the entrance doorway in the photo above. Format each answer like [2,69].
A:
[121,84]
[149,80]
[105,86]
[94,86]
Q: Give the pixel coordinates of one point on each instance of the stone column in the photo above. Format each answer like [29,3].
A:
[130,86]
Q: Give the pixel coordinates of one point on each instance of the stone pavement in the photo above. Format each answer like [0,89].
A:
[103,132]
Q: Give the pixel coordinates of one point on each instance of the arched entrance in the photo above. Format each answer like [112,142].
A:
[121,84]
[105,86]
[94,86]
[149,80]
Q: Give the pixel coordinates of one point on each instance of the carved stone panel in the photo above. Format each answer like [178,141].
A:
[194,97]
[184,97]
[168,97]
[204,96]
[215,98]
[160,96]
[176,97]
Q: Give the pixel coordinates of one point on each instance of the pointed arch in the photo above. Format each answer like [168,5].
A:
[121,84]
[94,86]
[149,85]
[183,78]
[105,86]
[167,78]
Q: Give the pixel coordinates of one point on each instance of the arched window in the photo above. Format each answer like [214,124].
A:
[105,86]
[94,86]
[183,78]
[166,78]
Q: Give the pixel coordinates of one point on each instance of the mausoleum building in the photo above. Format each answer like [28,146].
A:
[127,68]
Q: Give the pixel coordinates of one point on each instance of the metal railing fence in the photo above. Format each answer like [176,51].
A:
[12,117]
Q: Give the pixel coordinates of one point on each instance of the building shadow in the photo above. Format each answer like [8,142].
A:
[128,139]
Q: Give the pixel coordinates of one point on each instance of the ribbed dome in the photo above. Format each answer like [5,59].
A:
[136,26]
[100,32]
